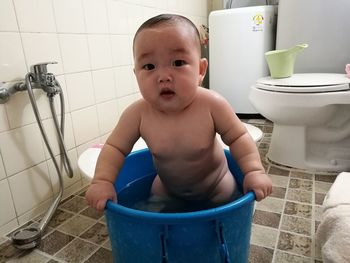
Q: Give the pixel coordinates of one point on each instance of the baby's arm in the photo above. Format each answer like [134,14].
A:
[242,148]
[111,158]
[244,151]
[101,188]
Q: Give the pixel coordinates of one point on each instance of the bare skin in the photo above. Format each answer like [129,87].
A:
[178,120]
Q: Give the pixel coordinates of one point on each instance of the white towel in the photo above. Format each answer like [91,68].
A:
[333,233]
[339,192]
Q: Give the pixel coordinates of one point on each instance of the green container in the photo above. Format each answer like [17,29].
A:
[281,62]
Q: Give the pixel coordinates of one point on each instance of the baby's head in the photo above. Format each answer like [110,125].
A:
[167,62]
[173,20]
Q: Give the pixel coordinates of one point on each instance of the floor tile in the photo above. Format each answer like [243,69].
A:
[278,171]
[101,256]
[322,187]
[296,244]
[265,218]
[271,204]
[301,174]
[75,204]
[319,198]
[280,181]
[283,257]
[318,212]
[278,192]
[33,257]
[77,251]
[260,254]
[8,251]
[317,223]
[329,178]
[77,225]
[264,145]
[267,129]
[107,244]
[305,185]
[97,234]
[298,209]
[92,213]
[59,217]
[263,236]
[54,242]
[296,225]
[299,196]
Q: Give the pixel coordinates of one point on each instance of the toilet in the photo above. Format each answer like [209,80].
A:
[87,160]
[311,116]
[311,108]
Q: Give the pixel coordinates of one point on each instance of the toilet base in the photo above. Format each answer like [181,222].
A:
[306,148]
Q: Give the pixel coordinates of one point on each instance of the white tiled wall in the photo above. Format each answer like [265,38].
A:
[91,41]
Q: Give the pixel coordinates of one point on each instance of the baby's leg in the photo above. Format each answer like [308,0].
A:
[158,188]
[226,191]
[160,195]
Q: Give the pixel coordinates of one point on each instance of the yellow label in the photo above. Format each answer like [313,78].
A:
[258,19]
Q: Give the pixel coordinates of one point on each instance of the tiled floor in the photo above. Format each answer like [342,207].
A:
[283,228]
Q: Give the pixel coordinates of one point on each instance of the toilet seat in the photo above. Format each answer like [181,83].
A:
[306,83]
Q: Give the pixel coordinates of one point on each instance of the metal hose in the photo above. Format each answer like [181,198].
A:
[60,131]
[45,220]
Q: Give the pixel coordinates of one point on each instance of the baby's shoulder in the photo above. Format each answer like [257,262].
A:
[210,96]
[138,104]
[135,108]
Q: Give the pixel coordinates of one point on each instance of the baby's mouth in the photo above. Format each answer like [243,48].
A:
[167,93]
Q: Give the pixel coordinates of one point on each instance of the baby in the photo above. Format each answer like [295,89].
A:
[178,120]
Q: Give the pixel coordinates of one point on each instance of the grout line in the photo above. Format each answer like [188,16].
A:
[280,223]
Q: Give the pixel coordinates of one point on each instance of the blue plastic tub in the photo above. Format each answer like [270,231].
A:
[220,234]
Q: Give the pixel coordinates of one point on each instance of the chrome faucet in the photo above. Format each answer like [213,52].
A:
[46,80]
[40,78]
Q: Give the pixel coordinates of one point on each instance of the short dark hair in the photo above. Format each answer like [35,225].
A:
[168,19]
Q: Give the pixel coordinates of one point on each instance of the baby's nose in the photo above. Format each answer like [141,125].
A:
[164,75]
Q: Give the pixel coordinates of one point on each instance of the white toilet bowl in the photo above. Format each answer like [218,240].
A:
[311,116]
[87,160]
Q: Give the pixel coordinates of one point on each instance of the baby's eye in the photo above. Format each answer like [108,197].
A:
[148,67]
[179,63]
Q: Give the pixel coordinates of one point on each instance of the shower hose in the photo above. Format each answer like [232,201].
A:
[60,134]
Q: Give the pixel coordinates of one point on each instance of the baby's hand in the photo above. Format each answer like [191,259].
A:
[98,193]
[258,182]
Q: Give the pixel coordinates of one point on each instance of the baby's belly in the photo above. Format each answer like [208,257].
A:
[191,180]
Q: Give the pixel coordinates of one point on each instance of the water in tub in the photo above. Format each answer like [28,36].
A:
[137,196]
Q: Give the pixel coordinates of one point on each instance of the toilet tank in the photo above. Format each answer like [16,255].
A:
[324,25]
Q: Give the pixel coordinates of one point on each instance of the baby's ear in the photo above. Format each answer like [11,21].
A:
[203,66]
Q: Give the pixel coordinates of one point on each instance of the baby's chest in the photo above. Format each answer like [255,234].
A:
[187,141]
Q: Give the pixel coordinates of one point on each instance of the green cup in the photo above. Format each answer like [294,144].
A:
[281,62]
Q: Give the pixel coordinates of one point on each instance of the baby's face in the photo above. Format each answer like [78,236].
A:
[168,66]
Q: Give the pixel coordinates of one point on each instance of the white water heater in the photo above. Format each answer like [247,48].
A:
[238,40]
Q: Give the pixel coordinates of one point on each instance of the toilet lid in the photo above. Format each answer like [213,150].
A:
[306,82]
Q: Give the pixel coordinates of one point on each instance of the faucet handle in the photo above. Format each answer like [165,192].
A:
[40,68]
